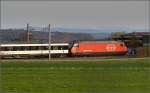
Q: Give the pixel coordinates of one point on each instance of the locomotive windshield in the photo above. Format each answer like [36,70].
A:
[70,45]
[73,44]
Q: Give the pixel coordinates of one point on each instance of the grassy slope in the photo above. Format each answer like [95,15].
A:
[111,76]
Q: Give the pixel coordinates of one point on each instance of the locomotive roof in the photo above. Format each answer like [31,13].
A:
[99,41]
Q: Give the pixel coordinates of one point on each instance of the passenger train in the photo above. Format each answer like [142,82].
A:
[75,48]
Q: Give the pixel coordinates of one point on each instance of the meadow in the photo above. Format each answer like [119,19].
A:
[99,76]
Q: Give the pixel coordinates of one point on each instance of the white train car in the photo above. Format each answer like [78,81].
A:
[18,50]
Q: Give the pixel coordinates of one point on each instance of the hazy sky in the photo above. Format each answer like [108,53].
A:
[93,14]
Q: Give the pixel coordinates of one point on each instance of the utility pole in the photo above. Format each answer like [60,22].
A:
[28,34]
[49,40]
[0,44]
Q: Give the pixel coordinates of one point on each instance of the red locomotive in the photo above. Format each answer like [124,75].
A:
[98,48]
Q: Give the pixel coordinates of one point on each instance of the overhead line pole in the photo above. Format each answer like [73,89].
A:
[28,38]
[49,40]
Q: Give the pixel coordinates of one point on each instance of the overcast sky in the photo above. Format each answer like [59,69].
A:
[78,14]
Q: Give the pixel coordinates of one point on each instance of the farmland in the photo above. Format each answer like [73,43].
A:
[130,76]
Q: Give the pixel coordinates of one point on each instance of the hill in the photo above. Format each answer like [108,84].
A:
[20,35]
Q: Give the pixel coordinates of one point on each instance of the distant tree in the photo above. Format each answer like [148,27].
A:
[116,34]
[134,42]
[23,37]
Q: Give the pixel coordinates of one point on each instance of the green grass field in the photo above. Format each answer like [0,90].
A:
[130,76]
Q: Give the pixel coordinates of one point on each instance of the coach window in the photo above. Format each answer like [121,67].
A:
[52,47]
[26,48]
[60,48]
[30,47]
[4,48]
[64,47]
[44,48]
[36,47]
[23,48]
[55,47]
[10,48]
[19,48]
[15,48]
[33,48]
[40,47]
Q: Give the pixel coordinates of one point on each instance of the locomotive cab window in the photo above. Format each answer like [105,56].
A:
[76,45]
[70,45]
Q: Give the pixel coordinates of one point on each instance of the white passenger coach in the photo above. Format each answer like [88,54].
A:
[33,49]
